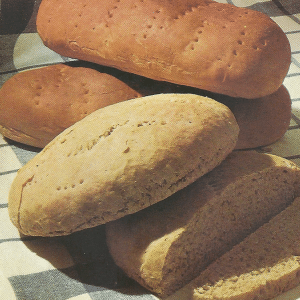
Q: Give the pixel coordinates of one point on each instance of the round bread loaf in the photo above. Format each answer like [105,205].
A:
[118,160]
[168,244]
[200,43]
[36,105]
[262,266]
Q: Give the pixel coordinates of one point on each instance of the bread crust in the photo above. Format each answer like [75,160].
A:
[38,104]
[200,43]
[168,244]
[118,160]
[262,121]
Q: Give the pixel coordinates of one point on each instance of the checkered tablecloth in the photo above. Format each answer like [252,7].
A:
[79,266]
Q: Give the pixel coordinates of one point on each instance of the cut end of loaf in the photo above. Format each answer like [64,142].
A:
[196,225]
[264,265]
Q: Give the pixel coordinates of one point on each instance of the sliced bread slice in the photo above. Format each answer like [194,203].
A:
[262,266]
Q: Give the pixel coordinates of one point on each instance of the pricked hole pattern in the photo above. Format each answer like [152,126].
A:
[199,32]
[73,185]
[188,10]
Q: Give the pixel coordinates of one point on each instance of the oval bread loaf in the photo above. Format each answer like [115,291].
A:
[200,43]
[262,266]
[168,244]
[37,105]
[56,97]
[262,121]
[118,160]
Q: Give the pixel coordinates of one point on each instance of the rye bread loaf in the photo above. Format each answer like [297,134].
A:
[264,265]
[200,43]
[118,160]
[36,105]
[168,244]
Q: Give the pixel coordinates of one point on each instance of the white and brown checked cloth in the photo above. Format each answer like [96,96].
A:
[78,266]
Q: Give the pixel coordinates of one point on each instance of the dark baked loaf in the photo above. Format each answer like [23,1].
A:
[262,266]
[118,160]
[200,43]
[56,97]
[262,121]
[168,244]
[36,105]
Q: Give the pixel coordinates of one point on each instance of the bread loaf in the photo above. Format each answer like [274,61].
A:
[56,97]
[118,160]
[200,43]
[262,266]
[168,244]
[36,105]
[262,121]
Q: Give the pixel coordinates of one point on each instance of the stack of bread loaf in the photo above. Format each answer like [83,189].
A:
[142,135]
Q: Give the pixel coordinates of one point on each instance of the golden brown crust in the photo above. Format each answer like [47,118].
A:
[56,97]
[118,160]
[37,105]
[200,43]
[168,244]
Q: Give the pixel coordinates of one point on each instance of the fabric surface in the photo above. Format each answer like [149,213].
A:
[78,266]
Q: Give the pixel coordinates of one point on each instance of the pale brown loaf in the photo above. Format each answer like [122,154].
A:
[264,265]
[200,43]
[36,105]
[118,160]
[168,244]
